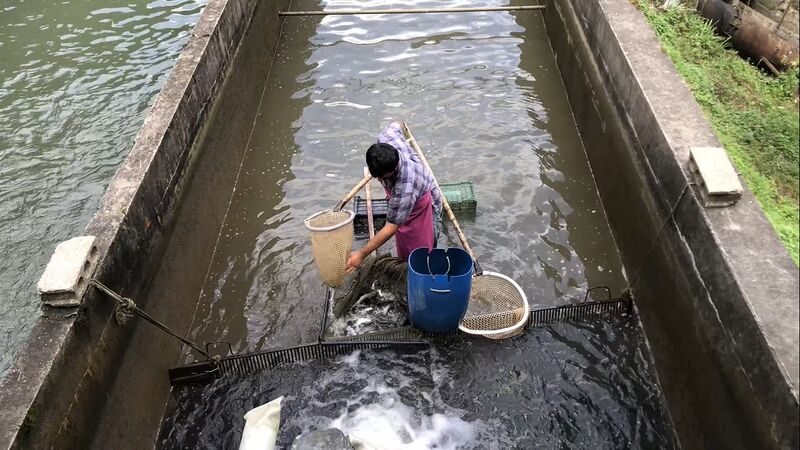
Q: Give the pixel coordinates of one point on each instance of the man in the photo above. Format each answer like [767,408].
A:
[414,202]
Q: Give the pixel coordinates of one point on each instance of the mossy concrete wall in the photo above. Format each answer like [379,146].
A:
[716,290]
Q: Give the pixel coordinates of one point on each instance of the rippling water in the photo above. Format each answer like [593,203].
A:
[565,386]
[485,99]
[76,79]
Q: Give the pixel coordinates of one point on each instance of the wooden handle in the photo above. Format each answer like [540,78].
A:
[450,215]
[352,193]
[368,194]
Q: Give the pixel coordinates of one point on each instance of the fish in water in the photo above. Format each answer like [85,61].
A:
[375,299]
[374,311]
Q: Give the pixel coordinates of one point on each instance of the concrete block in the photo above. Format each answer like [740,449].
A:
[715,176]
[67,275]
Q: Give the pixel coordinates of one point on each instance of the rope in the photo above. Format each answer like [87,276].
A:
[126,308]
[669,219]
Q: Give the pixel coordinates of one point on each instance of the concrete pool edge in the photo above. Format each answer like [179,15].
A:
[735,302]
[53,390]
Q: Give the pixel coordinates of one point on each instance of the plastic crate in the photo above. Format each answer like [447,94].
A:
[379,209]
[460,196]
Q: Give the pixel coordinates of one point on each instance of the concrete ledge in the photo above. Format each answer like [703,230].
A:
[176,286]
[53,393]
[717,291]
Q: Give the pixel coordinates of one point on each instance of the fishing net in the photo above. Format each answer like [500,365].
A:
[377,272]
[498,308]
[331,243]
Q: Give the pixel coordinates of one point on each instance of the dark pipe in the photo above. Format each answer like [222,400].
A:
[757,39]
[720,14]
[750,35]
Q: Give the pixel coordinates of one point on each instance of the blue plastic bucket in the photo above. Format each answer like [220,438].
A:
[439,284]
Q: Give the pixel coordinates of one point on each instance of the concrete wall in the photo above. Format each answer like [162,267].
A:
[716,290]
[79,377]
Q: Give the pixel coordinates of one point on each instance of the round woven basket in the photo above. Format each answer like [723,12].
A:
[331,243]
[498,309]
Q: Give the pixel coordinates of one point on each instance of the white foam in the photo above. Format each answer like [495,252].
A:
[352,359]
[391,408]
[391,424]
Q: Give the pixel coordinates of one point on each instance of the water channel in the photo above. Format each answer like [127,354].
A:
[485,99]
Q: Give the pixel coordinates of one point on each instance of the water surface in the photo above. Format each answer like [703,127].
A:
[76,80]
[561,387]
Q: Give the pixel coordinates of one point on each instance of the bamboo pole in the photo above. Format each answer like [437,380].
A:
[352,193]
[445,204]
[343,12]
[368,195]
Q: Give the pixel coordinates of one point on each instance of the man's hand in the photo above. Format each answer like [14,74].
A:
[354,261]
[356,258]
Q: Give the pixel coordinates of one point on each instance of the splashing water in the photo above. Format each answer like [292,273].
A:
[390,423]
[583,386]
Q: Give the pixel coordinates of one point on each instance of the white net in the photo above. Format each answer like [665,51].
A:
[498,308]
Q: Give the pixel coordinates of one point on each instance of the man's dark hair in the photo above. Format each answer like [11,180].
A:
[381,159]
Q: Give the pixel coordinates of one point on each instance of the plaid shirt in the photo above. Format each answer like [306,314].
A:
[410,181]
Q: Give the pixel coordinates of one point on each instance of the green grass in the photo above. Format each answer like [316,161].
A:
[754,115]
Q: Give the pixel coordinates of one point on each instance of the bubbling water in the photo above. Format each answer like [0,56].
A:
[397,426]
[573,385]
[392,409]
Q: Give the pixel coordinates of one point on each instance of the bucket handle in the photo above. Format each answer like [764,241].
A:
[446,272]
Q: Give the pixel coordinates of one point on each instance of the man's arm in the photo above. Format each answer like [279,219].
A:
[373,244]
